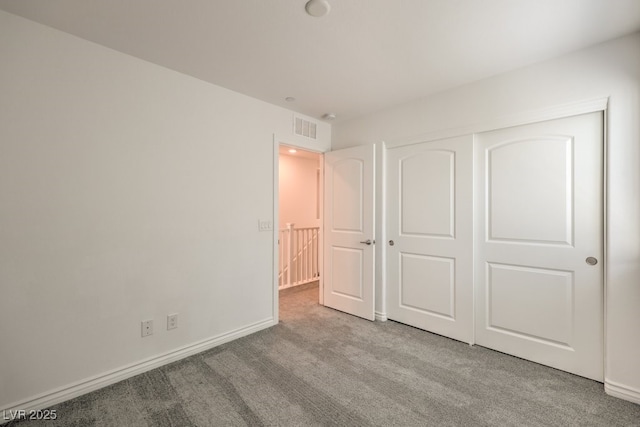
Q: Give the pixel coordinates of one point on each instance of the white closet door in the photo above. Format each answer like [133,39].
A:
[430,214]
[539,225]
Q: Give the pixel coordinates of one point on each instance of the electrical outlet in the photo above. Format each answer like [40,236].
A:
[265,225]
[172,321]
[147,328]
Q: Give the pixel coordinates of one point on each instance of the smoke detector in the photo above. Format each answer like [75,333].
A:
[317,8]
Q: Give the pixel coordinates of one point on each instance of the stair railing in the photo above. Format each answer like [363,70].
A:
[298,255]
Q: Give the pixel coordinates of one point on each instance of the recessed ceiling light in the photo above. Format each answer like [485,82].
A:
[317,8]
[289,99]
[293,151]
[329,116]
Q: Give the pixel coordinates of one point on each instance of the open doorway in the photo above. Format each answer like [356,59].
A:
[299,218]
[344,191]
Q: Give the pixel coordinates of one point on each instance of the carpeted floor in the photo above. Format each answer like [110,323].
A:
[323,367]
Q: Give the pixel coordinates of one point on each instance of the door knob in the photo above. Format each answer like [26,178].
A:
[391,243]
[591,260]
[367,242]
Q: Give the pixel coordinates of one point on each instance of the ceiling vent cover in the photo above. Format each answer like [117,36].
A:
[304,127]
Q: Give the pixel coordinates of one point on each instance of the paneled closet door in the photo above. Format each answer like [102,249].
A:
[539,243]
[429,236]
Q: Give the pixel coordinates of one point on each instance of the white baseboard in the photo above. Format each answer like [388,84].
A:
[87,385]
[621,391]
[381,317]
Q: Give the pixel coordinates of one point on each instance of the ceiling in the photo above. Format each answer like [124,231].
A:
[363,56]
[284,151]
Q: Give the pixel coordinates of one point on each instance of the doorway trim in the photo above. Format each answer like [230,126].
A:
[277,142]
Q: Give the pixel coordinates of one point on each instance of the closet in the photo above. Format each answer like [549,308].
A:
[496,239]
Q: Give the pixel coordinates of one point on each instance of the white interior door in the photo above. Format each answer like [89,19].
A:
[349,242]
[430,232]
[539,220]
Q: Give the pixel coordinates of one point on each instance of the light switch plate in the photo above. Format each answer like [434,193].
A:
[265,225]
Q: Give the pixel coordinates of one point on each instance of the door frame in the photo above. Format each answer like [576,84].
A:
[277,142]
[525,118]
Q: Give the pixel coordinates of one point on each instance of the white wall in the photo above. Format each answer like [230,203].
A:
[611,69]
[128,191]
[298,191]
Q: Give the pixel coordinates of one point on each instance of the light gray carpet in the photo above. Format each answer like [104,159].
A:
[323,367]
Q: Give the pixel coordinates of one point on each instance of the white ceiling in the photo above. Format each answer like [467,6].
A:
[364,56]
[300,153]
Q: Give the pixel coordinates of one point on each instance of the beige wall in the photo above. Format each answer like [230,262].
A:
[128,191]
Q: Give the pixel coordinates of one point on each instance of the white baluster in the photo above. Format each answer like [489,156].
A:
[290,247]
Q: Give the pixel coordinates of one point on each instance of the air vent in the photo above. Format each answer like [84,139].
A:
[304,128]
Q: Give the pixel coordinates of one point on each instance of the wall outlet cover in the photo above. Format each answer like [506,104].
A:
[172,321]
[147,328]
